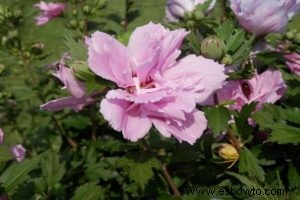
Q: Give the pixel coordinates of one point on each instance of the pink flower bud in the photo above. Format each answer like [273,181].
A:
[18,151]
[1,136]
[49,11]
[263,17]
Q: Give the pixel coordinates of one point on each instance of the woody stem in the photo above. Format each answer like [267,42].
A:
[170,181]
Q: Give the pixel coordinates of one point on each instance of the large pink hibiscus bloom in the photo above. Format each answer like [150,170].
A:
[154,88]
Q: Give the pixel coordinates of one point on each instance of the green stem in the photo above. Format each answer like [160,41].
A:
[71,142]
[27,65]
[234,140]
[127,5]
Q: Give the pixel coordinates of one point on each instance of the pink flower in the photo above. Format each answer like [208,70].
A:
[18,151]
[262,17]
[4,197]
[267,87]
[293,62]
[1,136]
[154,88]
[177,9]
[292,7]
[78,98]
[49,11]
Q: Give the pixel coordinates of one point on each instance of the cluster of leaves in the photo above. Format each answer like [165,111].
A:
[77,156]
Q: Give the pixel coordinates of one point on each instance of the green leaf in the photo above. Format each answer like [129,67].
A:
[245,180]
[217,118]
[82,70]
[246,72]
[89,191]
[17,173]
[40,185]
[293,177]
[241,120]
[52,169]
[77,50]
[284,134]
[140,168]
[249,164]
[194,42]
[235,40]
[1,68]
[83,73]
[293,115]
[224,30]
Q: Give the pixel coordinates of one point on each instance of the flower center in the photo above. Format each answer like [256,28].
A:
[139,87]
[246,89]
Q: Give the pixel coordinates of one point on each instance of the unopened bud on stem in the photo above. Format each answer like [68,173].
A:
[213,47]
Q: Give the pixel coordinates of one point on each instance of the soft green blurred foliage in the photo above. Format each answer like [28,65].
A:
[78,156]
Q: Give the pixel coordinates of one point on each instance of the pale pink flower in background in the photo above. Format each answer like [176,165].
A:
[153,87]
[48,11]
[292,7]
[1,136]
[78,98]
[18,152]
[4,197]
[263,17]
[267,87]
[293,62]
[177,9]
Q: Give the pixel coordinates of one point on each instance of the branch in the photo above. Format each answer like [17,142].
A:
[170,181]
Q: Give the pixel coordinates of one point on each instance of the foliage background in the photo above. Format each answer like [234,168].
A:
[78,156]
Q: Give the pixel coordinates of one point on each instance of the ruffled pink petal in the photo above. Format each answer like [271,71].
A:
[126,117]
[144,47]
[197,75]
[170,48]
[141,98]
[113,111]
[108,58]
[135,127]
[189,130]
[268,87]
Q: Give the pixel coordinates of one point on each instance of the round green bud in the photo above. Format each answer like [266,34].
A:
[161,152]
[291,34]
[74,12]
[37,48]
[190,23]
[188,15]
[12,34]
[4,40]
[73,24]
[82,25]
[212,47]
[227,60]
[20,62]
[86,9]
[26,54]
[198,14]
